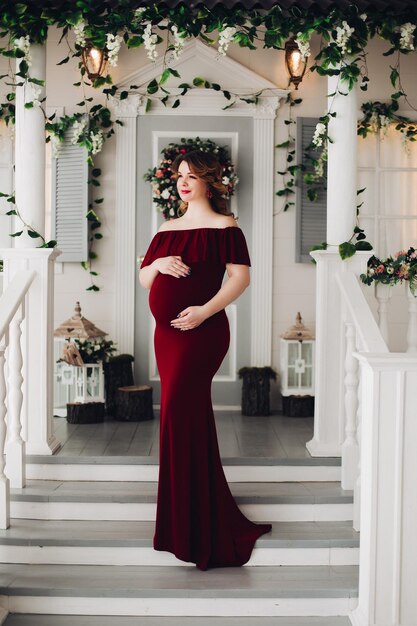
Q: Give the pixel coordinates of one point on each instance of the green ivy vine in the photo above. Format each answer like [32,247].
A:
[163,31]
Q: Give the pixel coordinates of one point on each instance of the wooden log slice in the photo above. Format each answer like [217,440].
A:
[85,413]
[134,403]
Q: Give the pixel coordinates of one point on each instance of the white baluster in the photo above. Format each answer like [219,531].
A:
[4,481]
[412,321]
[357,487]
[15,467]
[383,294]
[350,450]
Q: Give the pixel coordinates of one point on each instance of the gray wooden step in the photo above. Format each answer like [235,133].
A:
[130,543]
[180,591]
[92,620]
[300,501]
[145,468]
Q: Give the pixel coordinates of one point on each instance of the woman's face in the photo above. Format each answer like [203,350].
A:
[189,186]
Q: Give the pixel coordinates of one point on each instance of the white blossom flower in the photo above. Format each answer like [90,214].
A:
[319,167]
[78,129]
[172,212]
[36,92]
[165,194]
[319,134]
[379,122]
[303,46]
[149,41]
[80,34]
[406,141]
[225,180]
[407,37]
[344,33]
[113,44]
[390,270]
[226,36]
[138,16]
[374,122]
[363,17]
[178,41]
[55,145]
[384,124]
[23,44]
[97,139]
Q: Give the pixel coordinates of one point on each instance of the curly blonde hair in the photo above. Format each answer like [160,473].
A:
[208,168]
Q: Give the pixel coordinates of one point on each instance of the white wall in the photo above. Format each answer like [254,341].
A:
[294,284]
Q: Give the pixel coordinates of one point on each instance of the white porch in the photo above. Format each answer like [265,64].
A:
[355,470]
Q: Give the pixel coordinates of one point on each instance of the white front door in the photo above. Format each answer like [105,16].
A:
[154,133]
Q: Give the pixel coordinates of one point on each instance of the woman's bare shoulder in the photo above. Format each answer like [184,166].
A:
[226,220]
[167,225]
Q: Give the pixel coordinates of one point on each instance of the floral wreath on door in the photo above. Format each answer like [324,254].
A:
[164,189]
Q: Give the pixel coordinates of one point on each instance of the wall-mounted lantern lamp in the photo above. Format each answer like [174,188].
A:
[94,61]
[295,62]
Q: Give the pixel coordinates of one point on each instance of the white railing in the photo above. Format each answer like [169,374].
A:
[379,461]
[12,314]
[361,333]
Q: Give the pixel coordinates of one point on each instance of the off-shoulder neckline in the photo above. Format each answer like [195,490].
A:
[184,230]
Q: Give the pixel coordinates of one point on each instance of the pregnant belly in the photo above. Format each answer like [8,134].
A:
[169,295]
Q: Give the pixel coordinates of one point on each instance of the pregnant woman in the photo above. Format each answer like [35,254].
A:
[197,518]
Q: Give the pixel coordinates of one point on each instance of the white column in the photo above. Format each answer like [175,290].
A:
[37,345]
[125,263]
[341,214]
[388,552]
[30,154]
[262,233]
[342,164]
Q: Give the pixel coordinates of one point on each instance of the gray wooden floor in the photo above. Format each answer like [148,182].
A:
[273,436]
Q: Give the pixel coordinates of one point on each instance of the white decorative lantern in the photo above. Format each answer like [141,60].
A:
[84,381]
[89,382]
[297,369]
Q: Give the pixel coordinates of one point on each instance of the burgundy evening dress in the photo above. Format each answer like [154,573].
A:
[197,518]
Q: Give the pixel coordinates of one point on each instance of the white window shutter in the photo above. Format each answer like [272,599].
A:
[69,205]
[310,216]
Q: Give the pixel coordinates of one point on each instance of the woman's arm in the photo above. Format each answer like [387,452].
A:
[147,275]
[172,265]
[238,281]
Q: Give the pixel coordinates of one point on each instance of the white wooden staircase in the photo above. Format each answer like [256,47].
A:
[85,548]
[76,538]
